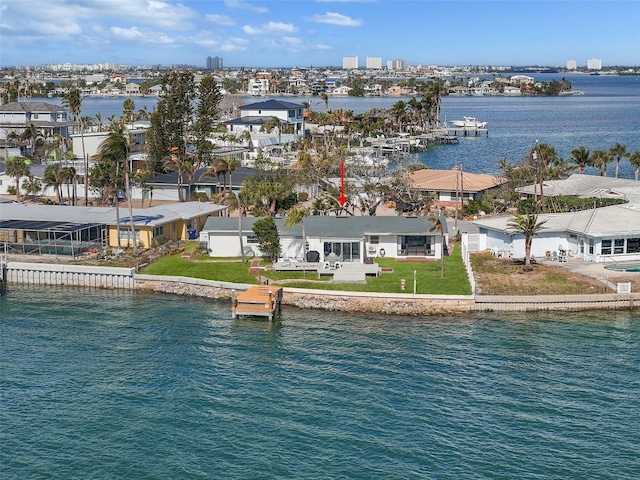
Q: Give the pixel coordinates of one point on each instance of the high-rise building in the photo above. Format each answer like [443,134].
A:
[396,64]
[572,65]
[594,64]
[349,63]
[374,63]
[214,63]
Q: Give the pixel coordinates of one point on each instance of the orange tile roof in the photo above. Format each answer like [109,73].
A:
[453,180]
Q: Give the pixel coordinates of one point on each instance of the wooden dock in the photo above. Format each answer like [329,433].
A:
[258,301]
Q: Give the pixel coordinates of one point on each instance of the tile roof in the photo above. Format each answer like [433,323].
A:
[453,180]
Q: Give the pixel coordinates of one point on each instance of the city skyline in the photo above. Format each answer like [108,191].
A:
[321,32]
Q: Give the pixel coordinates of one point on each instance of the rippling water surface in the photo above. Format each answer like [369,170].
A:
[102,384]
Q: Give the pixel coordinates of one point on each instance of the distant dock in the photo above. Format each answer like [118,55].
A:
[258,301]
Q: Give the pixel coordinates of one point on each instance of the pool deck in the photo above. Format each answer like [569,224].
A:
[597,270]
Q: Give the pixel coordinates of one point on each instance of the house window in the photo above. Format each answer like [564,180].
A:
[34,116]
[606,247]
[590,247]
[415,245]
[158,232]
[374,239]
[292,113]
[618,245]
[252,239]
[347,251]
[633,245]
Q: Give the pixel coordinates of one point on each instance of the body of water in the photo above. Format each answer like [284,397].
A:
[607,114]
[123,385]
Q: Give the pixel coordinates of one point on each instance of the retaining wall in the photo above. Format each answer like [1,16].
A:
[362,302]
[76,275]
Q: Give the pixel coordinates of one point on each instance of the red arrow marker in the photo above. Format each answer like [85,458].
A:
[342,199]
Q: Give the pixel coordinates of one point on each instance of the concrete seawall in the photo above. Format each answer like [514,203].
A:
[361,302]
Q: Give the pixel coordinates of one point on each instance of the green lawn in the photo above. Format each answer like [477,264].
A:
[427,275]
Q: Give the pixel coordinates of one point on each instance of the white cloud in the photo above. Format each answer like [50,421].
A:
[333,18]
[223,20]
[245,6]
[126,33]
[273,28]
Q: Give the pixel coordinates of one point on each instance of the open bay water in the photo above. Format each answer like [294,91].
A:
[122,385]
[609,113]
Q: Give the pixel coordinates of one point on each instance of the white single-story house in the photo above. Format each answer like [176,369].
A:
[597,235]
[586,186]
[351,238]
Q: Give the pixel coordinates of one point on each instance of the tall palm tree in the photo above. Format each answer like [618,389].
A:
[634,159]
[438,226]
[173,163]
[529,226]
[17,167]
[618,151]
[115,149]
[581,158]
[73,101]
[232,164]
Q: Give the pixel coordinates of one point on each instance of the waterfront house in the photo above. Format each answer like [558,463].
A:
[453,187]
[604,234]
[586,186]
[351,238]
[66,230]
[255,115]
[49,120]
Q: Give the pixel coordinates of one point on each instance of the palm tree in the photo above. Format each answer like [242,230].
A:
[32,185]
[527,225]
[232,164]
[601,159]
[54,176]
[296,216]
[270,124]
[438,226]
[115,150]
[581,158]
[73,101]
[128,109]
[634,159]
[17,167]
[173,163]
[618,151]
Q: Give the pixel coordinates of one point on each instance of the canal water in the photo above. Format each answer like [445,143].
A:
[122,385]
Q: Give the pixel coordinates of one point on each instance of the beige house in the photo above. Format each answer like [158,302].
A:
[451,187]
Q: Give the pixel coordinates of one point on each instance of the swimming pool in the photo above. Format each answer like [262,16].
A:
[624,267]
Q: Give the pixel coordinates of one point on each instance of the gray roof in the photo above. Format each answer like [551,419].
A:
[153,216]
[319,226]
[31,107]
[271,105]
[586,186]
[617,220]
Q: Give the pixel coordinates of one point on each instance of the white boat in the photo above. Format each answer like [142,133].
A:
[469,122]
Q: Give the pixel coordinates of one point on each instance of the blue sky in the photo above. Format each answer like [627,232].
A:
[290,33]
